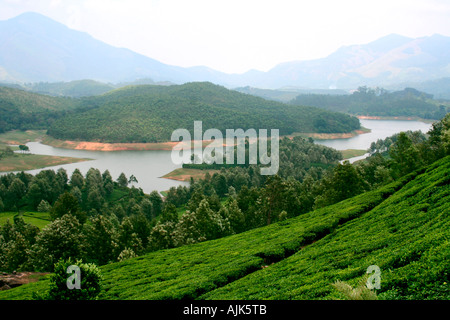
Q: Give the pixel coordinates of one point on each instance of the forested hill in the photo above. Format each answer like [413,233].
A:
[151,113]
[379,102]
[20,109]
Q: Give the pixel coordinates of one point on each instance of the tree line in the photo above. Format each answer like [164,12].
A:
[379,102]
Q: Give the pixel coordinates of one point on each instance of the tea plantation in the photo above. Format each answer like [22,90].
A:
[403,228]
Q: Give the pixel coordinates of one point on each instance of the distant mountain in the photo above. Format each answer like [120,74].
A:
[34,48]
[389,60]
[439,88]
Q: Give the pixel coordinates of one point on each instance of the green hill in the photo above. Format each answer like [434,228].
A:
[75,89]
[369,102]
[20,109]
[150,113]
[403,228]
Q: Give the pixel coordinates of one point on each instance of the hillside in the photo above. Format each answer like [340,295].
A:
[151,113]
[403,228]
[20,109]
[365,101]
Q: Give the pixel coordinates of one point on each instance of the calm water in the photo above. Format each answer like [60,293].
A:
[381,129]
[146,166]
[149,166]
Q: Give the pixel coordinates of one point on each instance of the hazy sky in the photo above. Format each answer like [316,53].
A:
[237,35]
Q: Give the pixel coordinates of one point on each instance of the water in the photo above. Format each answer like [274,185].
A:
[381,129]
[149,166]
[146,166]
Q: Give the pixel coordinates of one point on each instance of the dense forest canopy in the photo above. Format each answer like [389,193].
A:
[151,113]
[25,110]
[379,102]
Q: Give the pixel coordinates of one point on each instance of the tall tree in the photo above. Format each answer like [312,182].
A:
[405,155]
[122,180]
[67,203]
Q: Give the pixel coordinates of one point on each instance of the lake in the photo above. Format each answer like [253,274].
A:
[380,129]
[149,166]
[146,166]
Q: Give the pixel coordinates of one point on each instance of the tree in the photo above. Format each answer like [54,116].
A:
[157,202]
[235,216]
[77,179]
[44,206]
[128,238]
[169,213]
[24,148]
[15,240]
[90,282]
[16,192]
[108,183]
[34,194]
[95,199]
[76,192]
[94,180]
[141,227]
[61,239]
[102,240]
[405,155]
[342,183]
[122,180]
[273,198]
[147,209]
[186,230]
[62,178]
[439,142]
[67,203]
[220,184]
[132,180]
[161,236]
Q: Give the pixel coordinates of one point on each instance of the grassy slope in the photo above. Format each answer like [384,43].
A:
[38,219]
[21,137]
[26,101]
[403,228]
[23,162]
[185,174]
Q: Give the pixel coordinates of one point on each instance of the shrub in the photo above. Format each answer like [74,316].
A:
[90,282]
[44,206]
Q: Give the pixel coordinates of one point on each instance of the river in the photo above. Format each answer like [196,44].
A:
[149,166]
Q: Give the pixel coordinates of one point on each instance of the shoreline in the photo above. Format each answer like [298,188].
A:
[331,136]
[26,162]
[169,145]
[185,174]
[400,118]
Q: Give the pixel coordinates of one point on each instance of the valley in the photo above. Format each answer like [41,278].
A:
[132,168]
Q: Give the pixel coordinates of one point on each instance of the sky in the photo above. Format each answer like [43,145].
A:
[235,36]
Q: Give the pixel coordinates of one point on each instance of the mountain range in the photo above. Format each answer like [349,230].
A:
[35,48]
